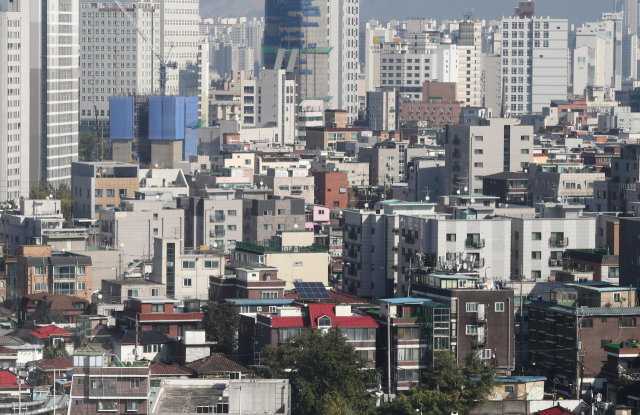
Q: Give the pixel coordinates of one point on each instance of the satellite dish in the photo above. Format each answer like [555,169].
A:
[559,199]
[295,226]
[366,205]
[466,188]
[458,191]
[427,198]
[121,244]
[156,165]
[99,296]
[51,196]
[473,200]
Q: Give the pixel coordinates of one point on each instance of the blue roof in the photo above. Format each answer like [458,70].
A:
[258,301]
[405,300]
[587,283]
[520,379]
[455,277]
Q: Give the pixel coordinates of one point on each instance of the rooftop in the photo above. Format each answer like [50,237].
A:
[181,400]
[155,300]
[46,332]
[259,301]
[270,246]
[411,300]
[144,337]
[585,311]
[216,363]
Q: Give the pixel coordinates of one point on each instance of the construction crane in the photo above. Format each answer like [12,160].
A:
[164,62]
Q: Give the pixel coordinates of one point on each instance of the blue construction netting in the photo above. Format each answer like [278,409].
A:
[293,34]
[303,61]
[306,71]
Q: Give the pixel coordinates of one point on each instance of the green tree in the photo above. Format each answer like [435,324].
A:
[221,322]
[88,147]
[43,190]
[326,374]
[399,406]
[55,316]
[50,352]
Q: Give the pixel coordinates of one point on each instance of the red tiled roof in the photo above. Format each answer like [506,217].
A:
[59,363]
[556,410]
[158,368]
[44,332]
[346,298]
[6,350]
[8,380]
[216,363]
[317,310]
[277,322]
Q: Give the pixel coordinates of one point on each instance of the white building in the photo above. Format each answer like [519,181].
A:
[343,35]
[270,102]
[382,110]
[374,39]
[54,43]
[14,101]
[470,85]
[534,63]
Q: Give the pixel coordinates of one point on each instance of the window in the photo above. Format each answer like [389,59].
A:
[587,323]
[499,307]
[231,227]
[98,193]
[616,297]
[157,308]
[324,321]
[451,237]
[188,264]
[336,204]
[471,330]
[627,322]
[132,406]
[186,282]
[82,286]
[82,269]
[269,294]
[111,193]
[536,236]
[524,151]
[524,138]
[478,151]
[536,255]
[135,383]
[122,192]
[485,354]
[132,293]
[40,286]
[472,307]
[211,264]
[155,216]
[148,348]
[231,212]
[509,389]
[536,274]
[156,383]
[39,270]
[412,355]
[155,292]
[107,404]
[267,227]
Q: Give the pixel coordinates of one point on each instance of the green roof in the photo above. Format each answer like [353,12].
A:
[585,311]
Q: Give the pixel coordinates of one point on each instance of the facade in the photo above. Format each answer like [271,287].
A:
[213,219]
[27,225]
[101,184]
[263,217]
[251,282]
[163,315]
[297,183]
[293,253]
[510,187]
[55,42]
[97,385]
[386,162]
[474,151]
[328,138]
[440,105]
[470,79]
[629,252]
[370,253]
[534,63]
[570,183]
[331,189]
[15,128]
[374,39]
[40,270]
[425,177]
[381,110]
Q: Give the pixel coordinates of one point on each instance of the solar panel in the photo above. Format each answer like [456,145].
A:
[311,291]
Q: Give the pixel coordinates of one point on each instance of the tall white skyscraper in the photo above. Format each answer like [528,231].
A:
[15,120]
[470,86]
[54,58]
[534,63]
[374,38]
[343,37]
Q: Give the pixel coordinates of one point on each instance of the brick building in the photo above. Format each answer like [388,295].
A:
[100,385]
[439,106]
[251,282]
[163,315]
[331,189]
[36,307]
[600,261]
[569,328]
[61,273]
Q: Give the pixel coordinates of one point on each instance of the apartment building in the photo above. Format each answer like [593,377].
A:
[213,218]
[509,187]
[95,185]
[474,151]
[288,183]
[329,138]
[534,62]
[293,253]
[15,128]
[331,189]
[439,105]
[629,251]
[387,162]
[414,344]
[266,214]
[571,183]
[98,384]
[264,162]
[374,37]
[162,314]
[250,282]
[370,254]
[538,244]
[33,220]
[482,312]
[184,272]
[470,78]
[357,172]
[381,110]
[468,242]
[60,273]
[425,177]
[617,194]
[139,220]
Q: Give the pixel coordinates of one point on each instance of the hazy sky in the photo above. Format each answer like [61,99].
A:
[577,11]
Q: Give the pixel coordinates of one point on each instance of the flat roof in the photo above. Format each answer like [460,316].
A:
[409,300]
[158,300]
[454,277]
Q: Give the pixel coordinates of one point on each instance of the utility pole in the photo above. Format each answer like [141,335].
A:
[577,351]
[389,351]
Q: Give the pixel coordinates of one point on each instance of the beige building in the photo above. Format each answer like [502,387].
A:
[292,252]
[240,160]
[266,162]
[168,180]
[287,182]
[95,185]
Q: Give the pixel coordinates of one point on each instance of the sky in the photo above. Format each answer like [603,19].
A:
[577,11]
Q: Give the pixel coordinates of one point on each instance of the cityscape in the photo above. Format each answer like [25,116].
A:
[326,209]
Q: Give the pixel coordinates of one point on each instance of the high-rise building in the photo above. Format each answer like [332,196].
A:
[470,86]
[54,50]
[629,8]
[374,39]
[343,18]
[14,101]
[534,63]
[629,56]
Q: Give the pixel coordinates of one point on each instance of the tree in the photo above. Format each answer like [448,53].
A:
[352,201]
[50,352]
[399,406]
[43,190]
[326,374]
[55,316]
[221,322]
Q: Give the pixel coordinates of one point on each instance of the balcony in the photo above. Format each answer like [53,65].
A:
[478,263]
[216,218]
[475,244]
[409,239]
[353,235]
[555,262]
[216,232]
[558,242]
